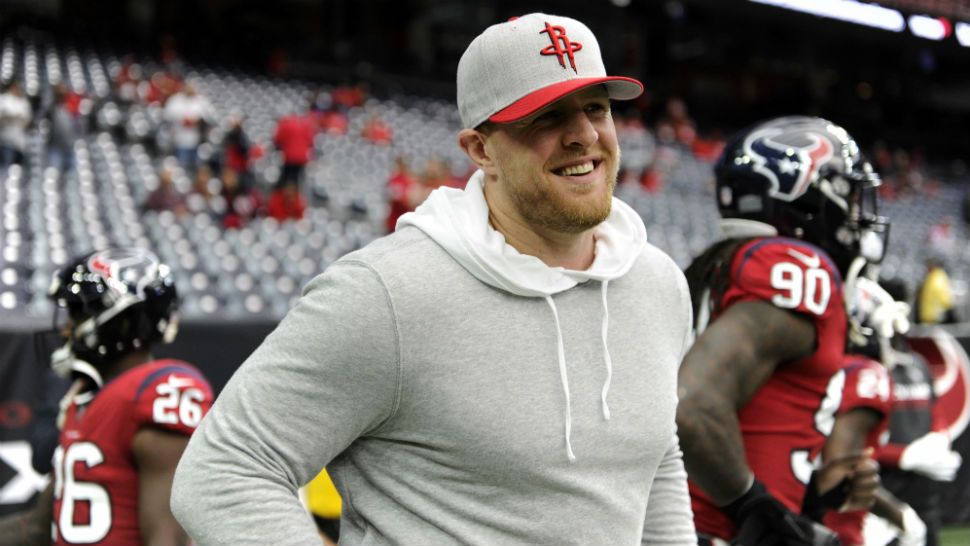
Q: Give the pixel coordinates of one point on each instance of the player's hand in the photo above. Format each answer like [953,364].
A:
[914,530]
[763,521]
[931,456]
[848,483]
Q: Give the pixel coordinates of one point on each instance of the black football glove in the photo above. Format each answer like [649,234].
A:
[764,521]
[814,506]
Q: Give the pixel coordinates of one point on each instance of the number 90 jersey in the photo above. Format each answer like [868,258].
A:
[96,479]
[781,425]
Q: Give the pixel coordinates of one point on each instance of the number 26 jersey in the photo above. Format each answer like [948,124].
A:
[96,477]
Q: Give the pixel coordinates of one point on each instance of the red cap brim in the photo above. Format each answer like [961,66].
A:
[619,88]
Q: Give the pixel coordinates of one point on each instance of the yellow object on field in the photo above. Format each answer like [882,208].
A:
[936,297]
[322,497]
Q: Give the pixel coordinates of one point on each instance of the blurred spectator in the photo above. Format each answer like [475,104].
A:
[401,193]
[708,148]
[204,188]
[376,131]
[64,131]
[935,303]
[676,124]
[333,121]
[166,196]
[434,176]
[169,55]
[286,203]
[941,239]
[652,180]
[188,113]
[15,116]
[637,144]
[241,204]
[294,138]
[237,149]
[159,89]
[348,96]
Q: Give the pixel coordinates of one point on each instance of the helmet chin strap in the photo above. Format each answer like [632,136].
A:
[851,275]
[857,332]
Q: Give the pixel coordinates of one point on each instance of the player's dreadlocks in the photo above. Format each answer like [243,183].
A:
[711,271]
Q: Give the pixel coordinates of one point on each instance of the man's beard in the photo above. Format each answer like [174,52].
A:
[539,202]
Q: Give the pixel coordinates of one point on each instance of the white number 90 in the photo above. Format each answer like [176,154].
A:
[811,287]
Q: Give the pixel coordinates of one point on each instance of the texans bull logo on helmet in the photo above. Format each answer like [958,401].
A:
[121,268]
[790,160]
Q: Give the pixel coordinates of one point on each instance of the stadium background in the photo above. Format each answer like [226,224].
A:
[906,98]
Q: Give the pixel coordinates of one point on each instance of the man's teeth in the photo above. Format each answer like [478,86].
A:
[575,170]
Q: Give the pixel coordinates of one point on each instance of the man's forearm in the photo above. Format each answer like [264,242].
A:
[713,451]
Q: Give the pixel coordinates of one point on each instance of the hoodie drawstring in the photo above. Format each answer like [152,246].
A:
[565,381]
[606,355]
[563,375]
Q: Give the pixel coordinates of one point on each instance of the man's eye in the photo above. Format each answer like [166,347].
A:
[597,108]
[547,117]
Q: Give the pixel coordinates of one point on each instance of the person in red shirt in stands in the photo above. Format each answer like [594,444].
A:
[286,203]
[377,131]
[333,121]
[294,138]
[400,189]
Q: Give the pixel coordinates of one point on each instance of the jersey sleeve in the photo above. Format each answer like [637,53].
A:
[867,385]
[787,273]
[173,397]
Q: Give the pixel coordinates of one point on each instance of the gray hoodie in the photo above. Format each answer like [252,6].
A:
[459,393]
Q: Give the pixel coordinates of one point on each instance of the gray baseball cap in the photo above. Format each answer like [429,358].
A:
[516,68]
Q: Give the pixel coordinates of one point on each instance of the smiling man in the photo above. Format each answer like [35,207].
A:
[500,370]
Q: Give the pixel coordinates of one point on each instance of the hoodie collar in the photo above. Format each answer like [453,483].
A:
[458,221]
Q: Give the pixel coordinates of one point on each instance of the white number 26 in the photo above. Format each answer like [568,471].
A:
[175,405]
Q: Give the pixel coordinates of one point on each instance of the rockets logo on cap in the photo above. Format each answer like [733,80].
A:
[561,46]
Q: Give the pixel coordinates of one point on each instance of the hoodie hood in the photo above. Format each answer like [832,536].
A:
[458,221]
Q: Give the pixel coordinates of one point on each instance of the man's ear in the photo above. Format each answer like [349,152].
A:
[472,142]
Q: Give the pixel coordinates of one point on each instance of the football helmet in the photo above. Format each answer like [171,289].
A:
[110,303]
[802,177]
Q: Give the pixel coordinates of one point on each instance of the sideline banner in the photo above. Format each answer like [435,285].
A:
[947,358]
[20,385]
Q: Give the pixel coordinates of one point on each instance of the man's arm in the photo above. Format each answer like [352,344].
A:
[33,527]
[157,453]
[845,457]
[327,375]
[726,366]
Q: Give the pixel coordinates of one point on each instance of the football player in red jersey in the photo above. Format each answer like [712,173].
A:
[797,204]
[126,418]
[861,418]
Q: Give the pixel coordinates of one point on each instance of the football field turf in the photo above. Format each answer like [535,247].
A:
[955,536]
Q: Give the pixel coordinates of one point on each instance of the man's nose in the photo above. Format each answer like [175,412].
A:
[579,131]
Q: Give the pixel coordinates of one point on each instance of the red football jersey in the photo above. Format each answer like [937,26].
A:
[867,385]
[96,480]
[786,421]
